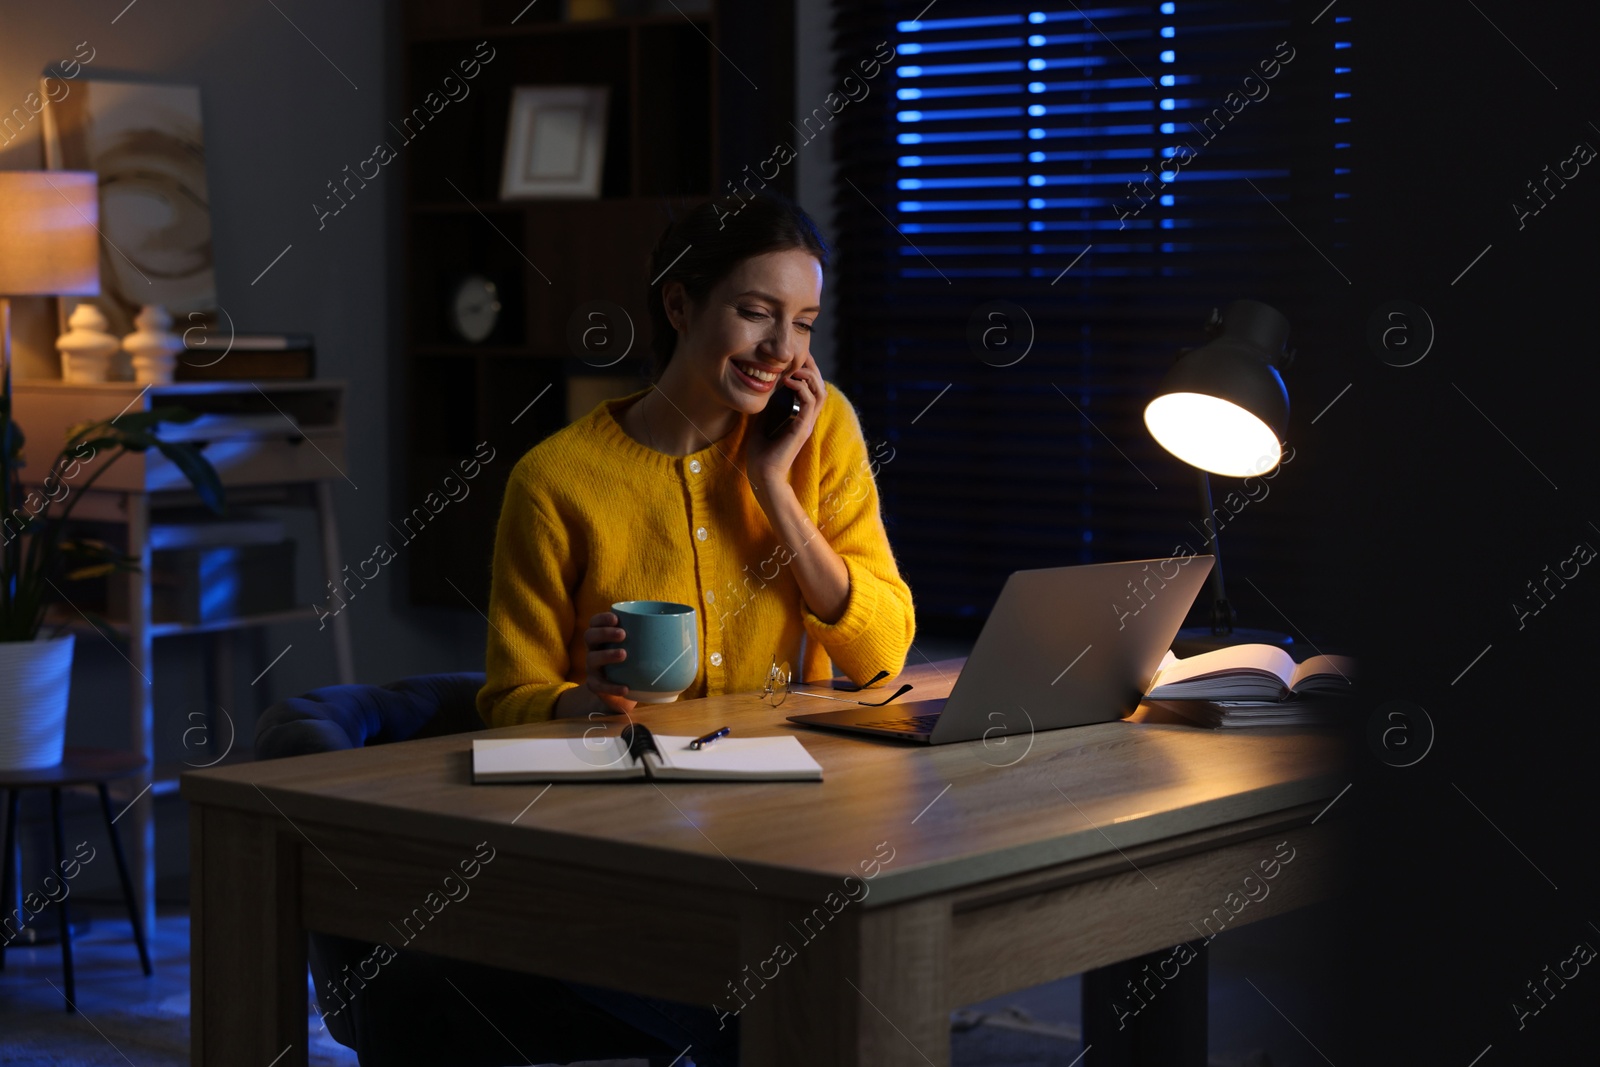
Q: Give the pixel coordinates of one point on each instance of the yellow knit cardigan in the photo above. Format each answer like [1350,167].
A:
[592,517]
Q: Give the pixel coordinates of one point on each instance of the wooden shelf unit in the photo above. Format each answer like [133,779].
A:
[257,462]
[681,120]
[78,624]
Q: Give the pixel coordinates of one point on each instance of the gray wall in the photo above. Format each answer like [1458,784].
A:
[280,121]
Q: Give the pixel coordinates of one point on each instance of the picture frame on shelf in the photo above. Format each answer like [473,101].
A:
[555,142]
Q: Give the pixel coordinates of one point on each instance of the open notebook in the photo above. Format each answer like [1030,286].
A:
[1250,672]
[638,753]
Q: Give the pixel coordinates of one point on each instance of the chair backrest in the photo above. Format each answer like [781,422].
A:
[354,716]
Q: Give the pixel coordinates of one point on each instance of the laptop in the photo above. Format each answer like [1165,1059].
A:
[1064,646]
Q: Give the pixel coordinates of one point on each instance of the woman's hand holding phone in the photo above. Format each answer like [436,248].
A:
[768,459]
[597,695]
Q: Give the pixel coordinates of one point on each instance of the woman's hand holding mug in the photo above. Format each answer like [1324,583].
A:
[597,695]
[660,660]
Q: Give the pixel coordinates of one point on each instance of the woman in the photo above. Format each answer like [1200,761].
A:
[674,493]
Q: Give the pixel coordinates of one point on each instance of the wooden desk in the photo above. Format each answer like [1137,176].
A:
[1098,844]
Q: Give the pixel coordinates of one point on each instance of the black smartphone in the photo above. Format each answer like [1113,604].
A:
[784,405]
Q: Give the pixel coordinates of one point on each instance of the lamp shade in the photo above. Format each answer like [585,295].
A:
[1223,407]
[49,245]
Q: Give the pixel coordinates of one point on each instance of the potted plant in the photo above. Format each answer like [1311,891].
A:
[36,555]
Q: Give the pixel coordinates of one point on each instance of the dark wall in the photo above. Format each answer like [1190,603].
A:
[1474,471]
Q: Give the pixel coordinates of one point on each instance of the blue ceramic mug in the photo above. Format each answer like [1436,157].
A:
[662,640]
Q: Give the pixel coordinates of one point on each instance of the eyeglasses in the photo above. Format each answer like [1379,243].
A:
[781,683]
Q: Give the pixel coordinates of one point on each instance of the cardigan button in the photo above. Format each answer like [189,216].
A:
[694,466]
[716,659]
[700,533]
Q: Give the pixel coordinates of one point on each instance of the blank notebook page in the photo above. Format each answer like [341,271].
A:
[748,758]
[511,759]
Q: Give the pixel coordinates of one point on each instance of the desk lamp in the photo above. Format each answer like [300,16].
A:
[49,244]
[1223,409]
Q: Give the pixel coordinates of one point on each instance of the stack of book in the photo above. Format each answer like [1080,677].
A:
[1254,685]
[221,355]
[206,570]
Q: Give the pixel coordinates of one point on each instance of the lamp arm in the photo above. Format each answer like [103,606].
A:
[1222,613]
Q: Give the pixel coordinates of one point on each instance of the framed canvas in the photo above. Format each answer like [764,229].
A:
[555,142]
[145,142]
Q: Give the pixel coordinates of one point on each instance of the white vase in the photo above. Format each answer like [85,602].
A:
[154,368]
[86,349]
[153,346]
[34,676]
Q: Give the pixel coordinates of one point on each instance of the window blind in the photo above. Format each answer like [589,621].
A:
[1090,182]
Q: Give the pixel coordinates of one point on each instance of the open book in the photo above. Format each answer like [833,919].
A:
[637,753]
[1250,672]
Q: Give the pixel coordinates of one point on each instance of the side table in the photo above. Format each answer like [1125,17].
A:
[81,766]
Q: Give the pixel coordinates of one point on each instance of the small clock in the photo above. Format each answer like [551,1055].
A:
[475,308]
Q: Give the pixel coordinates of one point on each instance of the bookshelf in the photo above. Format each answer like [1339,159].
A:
[681,120]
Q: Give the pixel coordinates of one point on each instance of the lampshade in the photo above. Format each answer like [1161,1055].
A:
[48,242]
[1223,407]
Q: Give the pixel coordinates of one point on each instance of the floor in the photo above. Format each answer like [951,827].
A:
[125,1018]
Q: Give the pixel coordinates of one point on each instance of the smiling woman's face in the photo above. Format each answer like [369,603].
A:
[752,328]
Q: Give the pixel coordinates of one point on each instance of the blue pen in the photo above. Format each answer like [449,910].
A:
[701,742]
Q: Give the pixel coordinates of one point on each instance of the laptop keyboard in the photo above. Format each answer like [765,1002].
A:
[911,724]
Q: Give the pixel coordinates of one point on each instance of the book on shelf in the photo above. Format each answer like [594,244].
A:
[205,532]
[215,355]
[206,584]
[1256,673]
[218,341]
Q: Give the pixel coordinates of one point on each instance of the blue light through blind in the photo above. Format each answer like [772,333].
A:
[1088,165]
[1059,124]
[1343,97]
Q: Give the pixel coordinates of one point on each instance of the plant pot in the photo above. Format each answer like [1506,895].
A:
[34,678]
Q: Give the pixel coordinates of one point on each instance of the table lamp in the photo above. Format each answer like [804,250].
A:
[1223,409]
[49,243]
